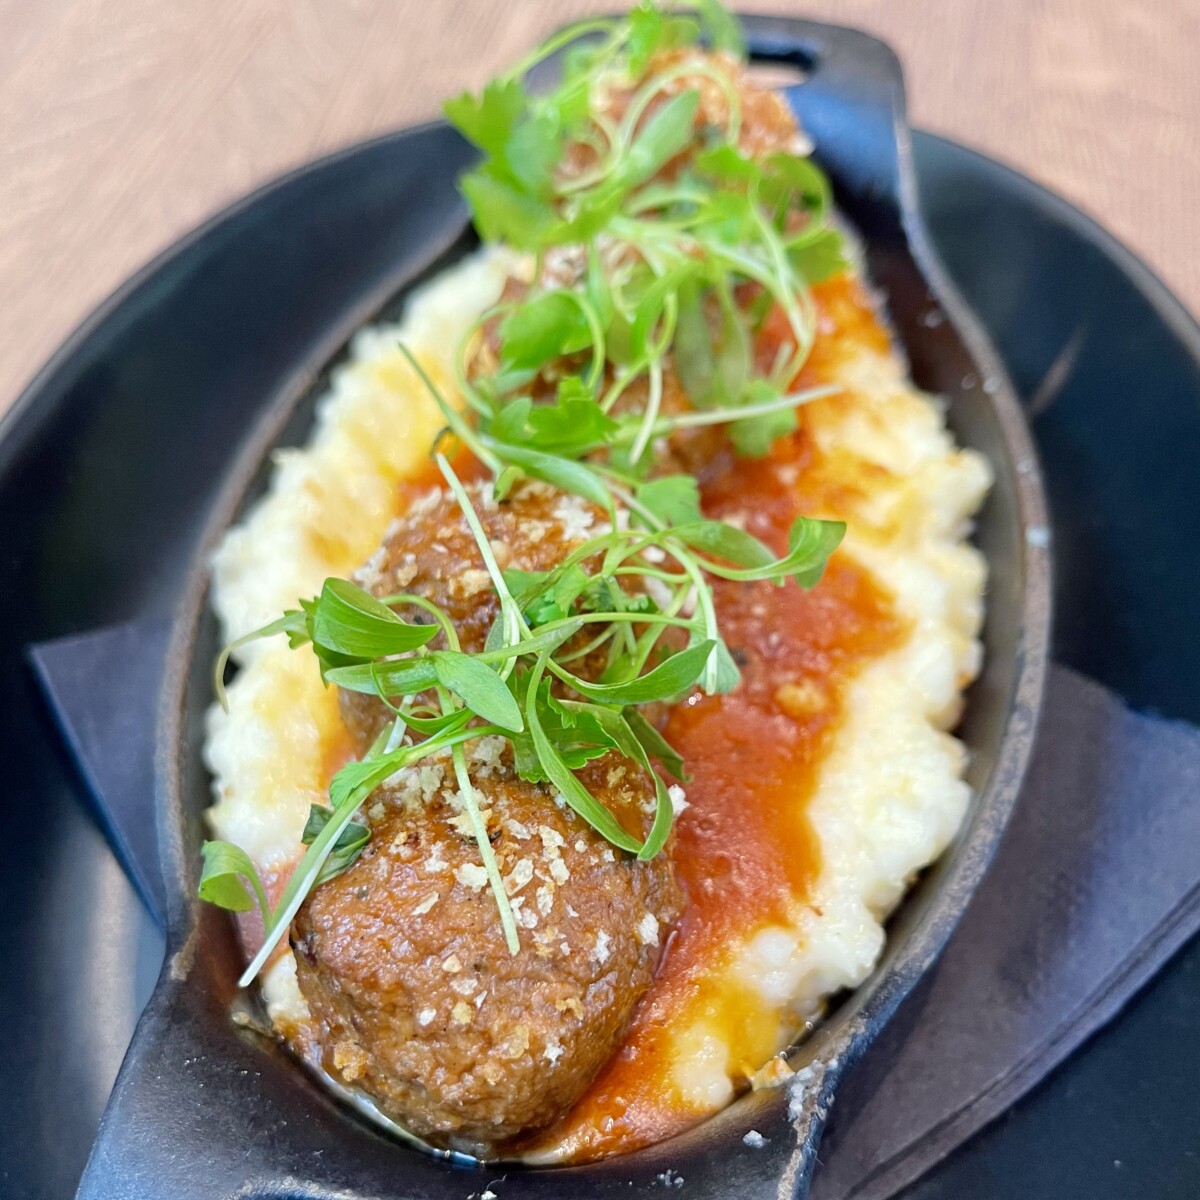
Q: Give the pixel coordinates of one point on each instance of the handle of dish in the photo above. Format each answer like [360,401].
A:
[851,102]
[191,1116]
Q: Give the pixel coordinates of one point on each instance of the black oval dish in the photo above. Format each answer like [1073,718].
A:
[203,1109]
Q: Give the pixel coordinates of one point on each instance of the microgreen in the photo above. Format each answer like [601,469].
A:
[350,622]
[226,872]
[677,246]
[550,326]
[664,682]
[477,684]
[294,623]
[466,791]
[349,845]
[655,745]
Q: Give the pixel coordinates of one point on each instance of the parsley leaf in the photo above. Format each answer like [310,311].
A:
[674,499]
[550,325]
[571,426]
[505,213]
[489,119]
[820,256]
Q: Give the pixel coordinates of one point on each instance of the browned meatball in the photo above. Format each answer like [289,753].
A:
[415,993]
[430,551]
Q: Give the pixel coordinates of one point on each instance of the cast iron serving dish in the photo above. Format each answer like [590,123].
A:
[204,1107]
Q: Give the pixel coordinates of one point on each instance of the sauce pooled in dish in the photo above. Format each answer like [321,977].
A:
[598,749]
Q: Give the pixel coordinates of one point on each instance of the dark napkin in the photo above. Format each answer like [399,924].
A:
[1096,884]
[103,691]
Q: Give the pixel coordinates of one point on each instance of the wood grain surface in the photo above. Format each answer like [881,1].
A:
[125,122]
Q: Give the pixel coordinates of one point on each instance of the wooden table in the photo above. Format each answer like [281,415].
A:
[125,122]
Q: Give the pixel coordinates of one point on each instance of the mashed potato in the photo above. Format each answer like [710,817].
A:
[889,793]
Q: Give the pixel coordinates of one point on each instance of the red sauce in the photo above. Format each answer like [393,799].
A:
[743,848]
[428,475]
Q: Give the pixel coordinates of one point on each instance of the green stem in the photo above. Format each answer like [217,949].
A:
[466,791]
[564,37]
[514,622]
[454,419]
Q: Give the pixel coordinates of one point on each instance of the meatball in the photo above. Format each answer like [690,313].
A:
[431,552]
[414,993]
[417,998]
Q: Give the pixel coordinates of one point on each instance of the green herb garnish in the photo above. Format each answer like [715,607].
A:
[658,246]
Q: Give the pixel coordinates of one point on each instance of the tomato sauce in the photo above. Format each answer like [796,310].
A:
[743,847]
[428,476]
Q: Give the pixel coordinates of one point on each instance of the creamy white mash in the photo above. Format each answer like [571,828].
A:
[890,794]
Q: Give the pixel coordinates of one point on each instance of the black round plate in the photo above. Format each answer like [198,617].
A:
[1111,366]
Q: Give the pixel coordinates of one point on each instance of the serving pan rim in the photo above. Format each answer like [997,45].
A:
[834,1053]
[832,1048]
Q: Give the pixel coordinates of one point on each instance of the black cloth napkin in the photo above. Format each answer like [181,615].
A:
[1096,884]
[103,688]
